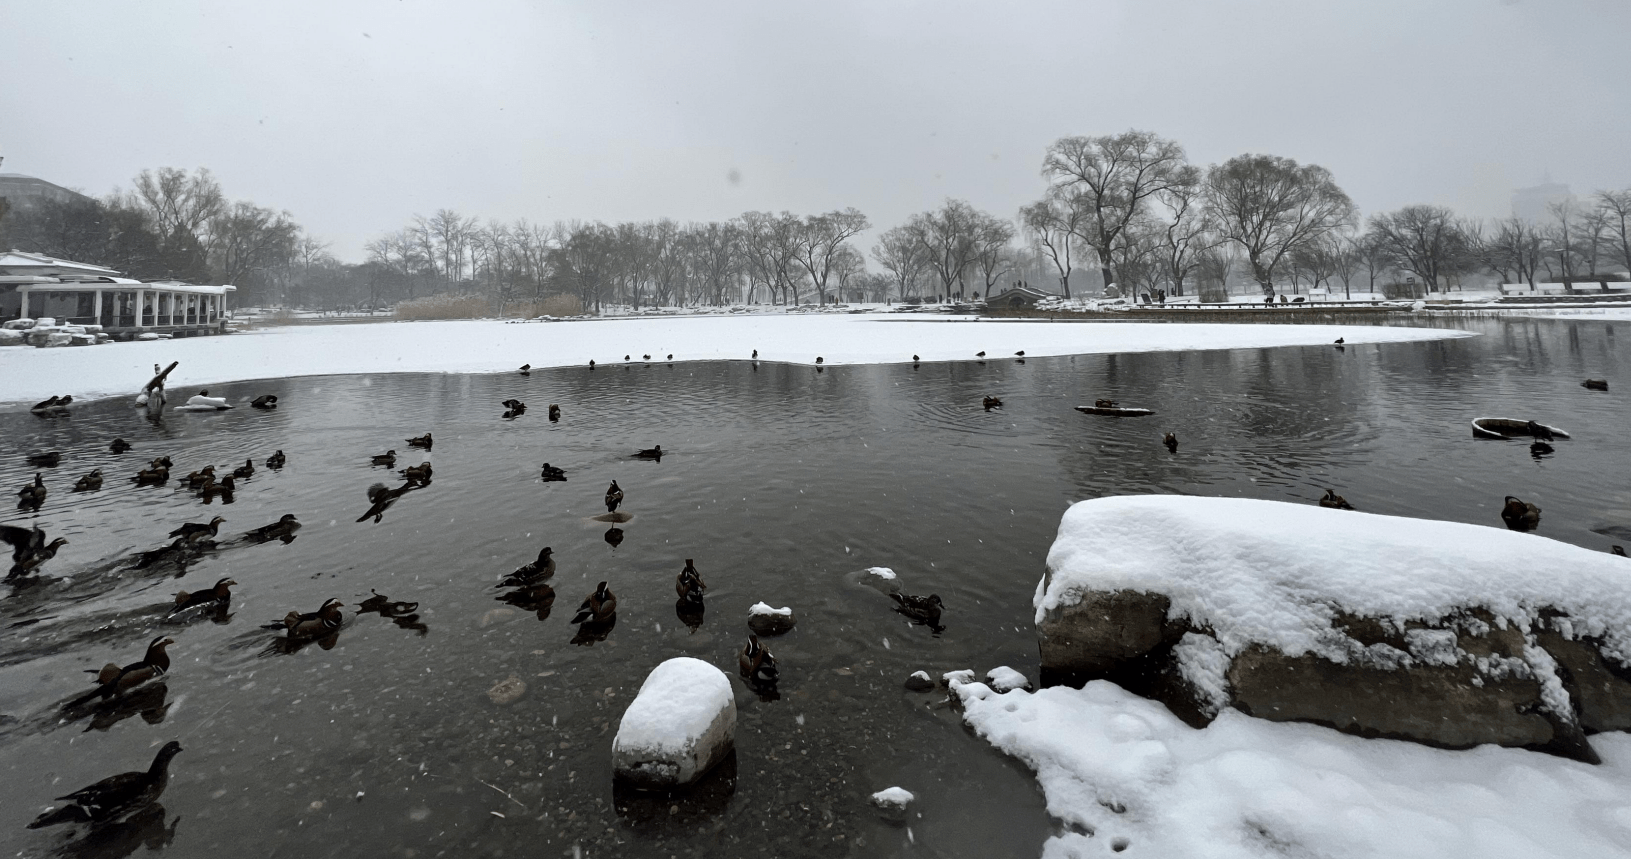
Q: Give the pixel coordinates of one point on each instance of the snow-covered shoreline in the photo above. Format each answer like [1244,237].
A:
[28,375]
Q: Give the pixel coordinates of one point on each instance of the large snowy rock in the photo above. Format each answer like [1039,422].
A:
[1449,634]
[682,723]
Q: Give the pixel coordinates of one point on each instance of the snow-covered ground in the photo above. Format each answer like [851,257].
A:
[1126,770]
[29,375]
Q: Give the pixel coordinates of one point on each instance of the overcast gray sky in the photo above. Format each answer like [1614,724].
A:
[356,115]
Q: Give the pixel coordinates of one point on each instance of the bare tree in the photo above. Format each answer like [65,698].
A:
[1113,177]
[1426,240]
[1616,208]
[947,238]
[1270,205]
[1054,222]
[178,202]
[246,237]
[1514,250]
[769,245]
[819,243]
[992,252]
[903,256]
[1188,230]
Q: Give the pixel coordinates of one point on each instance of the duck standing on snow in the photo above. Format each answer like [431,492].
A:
[424,441]
[113,680]
[1171,441]
[1520,515]
[29,548]
[276,460]
[265,402]
[89,482]
[215,597]
[599,607]
[614,497]
[1334,501]
[551,473]
[924,610]
[756,663]
[45,406]
[114,797]
[283,529]
[32,495]
[655,453]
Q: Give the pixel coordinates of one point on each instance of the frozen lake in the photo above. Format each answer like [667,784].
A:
[784,484]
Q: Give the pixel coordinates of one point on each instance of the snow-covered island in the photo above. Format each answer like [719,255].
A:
[487,346]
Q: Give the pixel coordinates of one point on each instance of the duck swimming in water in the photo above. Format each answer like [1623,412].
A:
[614,497]
[197,480]
[1334,501]
[539,569]
[599,607]
[222,490]
[32,495]
[526,369]
[1104,404]
[195,532]
[756,664]
[424,441]
[119,796]
[387,459]
[991,403]
[119,445]
[276,460]
[217,596]
[655,453]
[417,474]
[89,482]
[265,402]
[113,680]
[156,474]
[551,473]
[924,610]
[246,470]
[1541,431]
[315,624]
[554,412]
[689,586]
[29,548]
[1520,515]
[1171,441]
[49,459]
[283,529]
[1595,384]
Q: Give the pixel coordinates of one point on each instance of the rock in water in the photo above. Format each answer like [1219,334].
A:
[764,620]
[920,681]
[893,800]
[680,724]
[1005,679]
[508,691]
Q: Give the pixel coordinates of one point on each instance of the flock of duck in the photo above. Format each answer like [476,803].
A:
[527,587]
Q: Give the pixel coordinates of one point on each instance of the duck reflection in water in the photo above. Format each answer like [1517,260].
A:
[681,809]
[181,554]
[400,612]
[382,497]
[690,613]
[114,840]
[149,702]
[536,597]
[614,536]
[591,631]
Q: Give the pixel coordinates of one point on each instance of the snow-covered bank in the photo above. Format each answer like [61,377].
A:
[29,375]
[1130,773]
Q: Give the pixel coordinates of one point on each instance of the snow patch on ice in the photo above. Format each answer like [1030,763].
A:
[1127,771]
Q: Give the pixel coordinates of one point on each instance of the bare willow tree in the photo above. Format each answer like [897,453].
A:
[1113,178]
[1616,209]
[769,245]
[947,238]
[819,243]
[903,256]
[1428,241]
[993,254]
[1269,206]
[1188,229]
[1053,222]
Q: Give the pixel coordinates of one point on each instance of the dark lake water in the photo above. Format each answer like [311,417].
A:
[784,484]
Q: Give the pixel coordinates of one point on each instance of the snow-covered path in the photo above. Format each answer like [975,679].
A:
[29,375]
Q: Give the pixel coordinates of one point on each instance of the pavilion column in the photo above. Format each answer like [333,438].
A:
[141,299]
[22,292]
[97,310]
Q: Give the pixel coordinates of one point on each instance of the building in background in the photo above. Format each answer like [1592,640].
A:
[1530,204]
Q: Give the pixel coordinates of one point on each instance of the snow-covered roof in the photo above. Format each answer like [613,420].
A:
[22,262]
[52,285]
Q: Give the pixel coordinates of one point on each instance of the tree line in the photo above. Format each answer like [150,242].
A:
[1125,210]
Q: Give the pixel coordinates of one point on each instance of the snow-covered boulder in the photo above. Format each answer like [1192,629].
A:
[19,324]
[920,681]
[1005,679]
[680,724]
[765,620]
[10,337]
[1444,633]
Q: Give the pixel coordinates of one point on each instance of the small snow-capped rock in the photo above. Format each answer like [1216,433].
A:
[507,691]
[882,572]
[920,681]
[681,723]
[1005,679]
[953,678]
[764,620]
[893,798]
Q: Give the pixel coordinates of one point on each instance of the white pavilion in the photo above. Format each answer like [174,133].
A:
[34,286]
